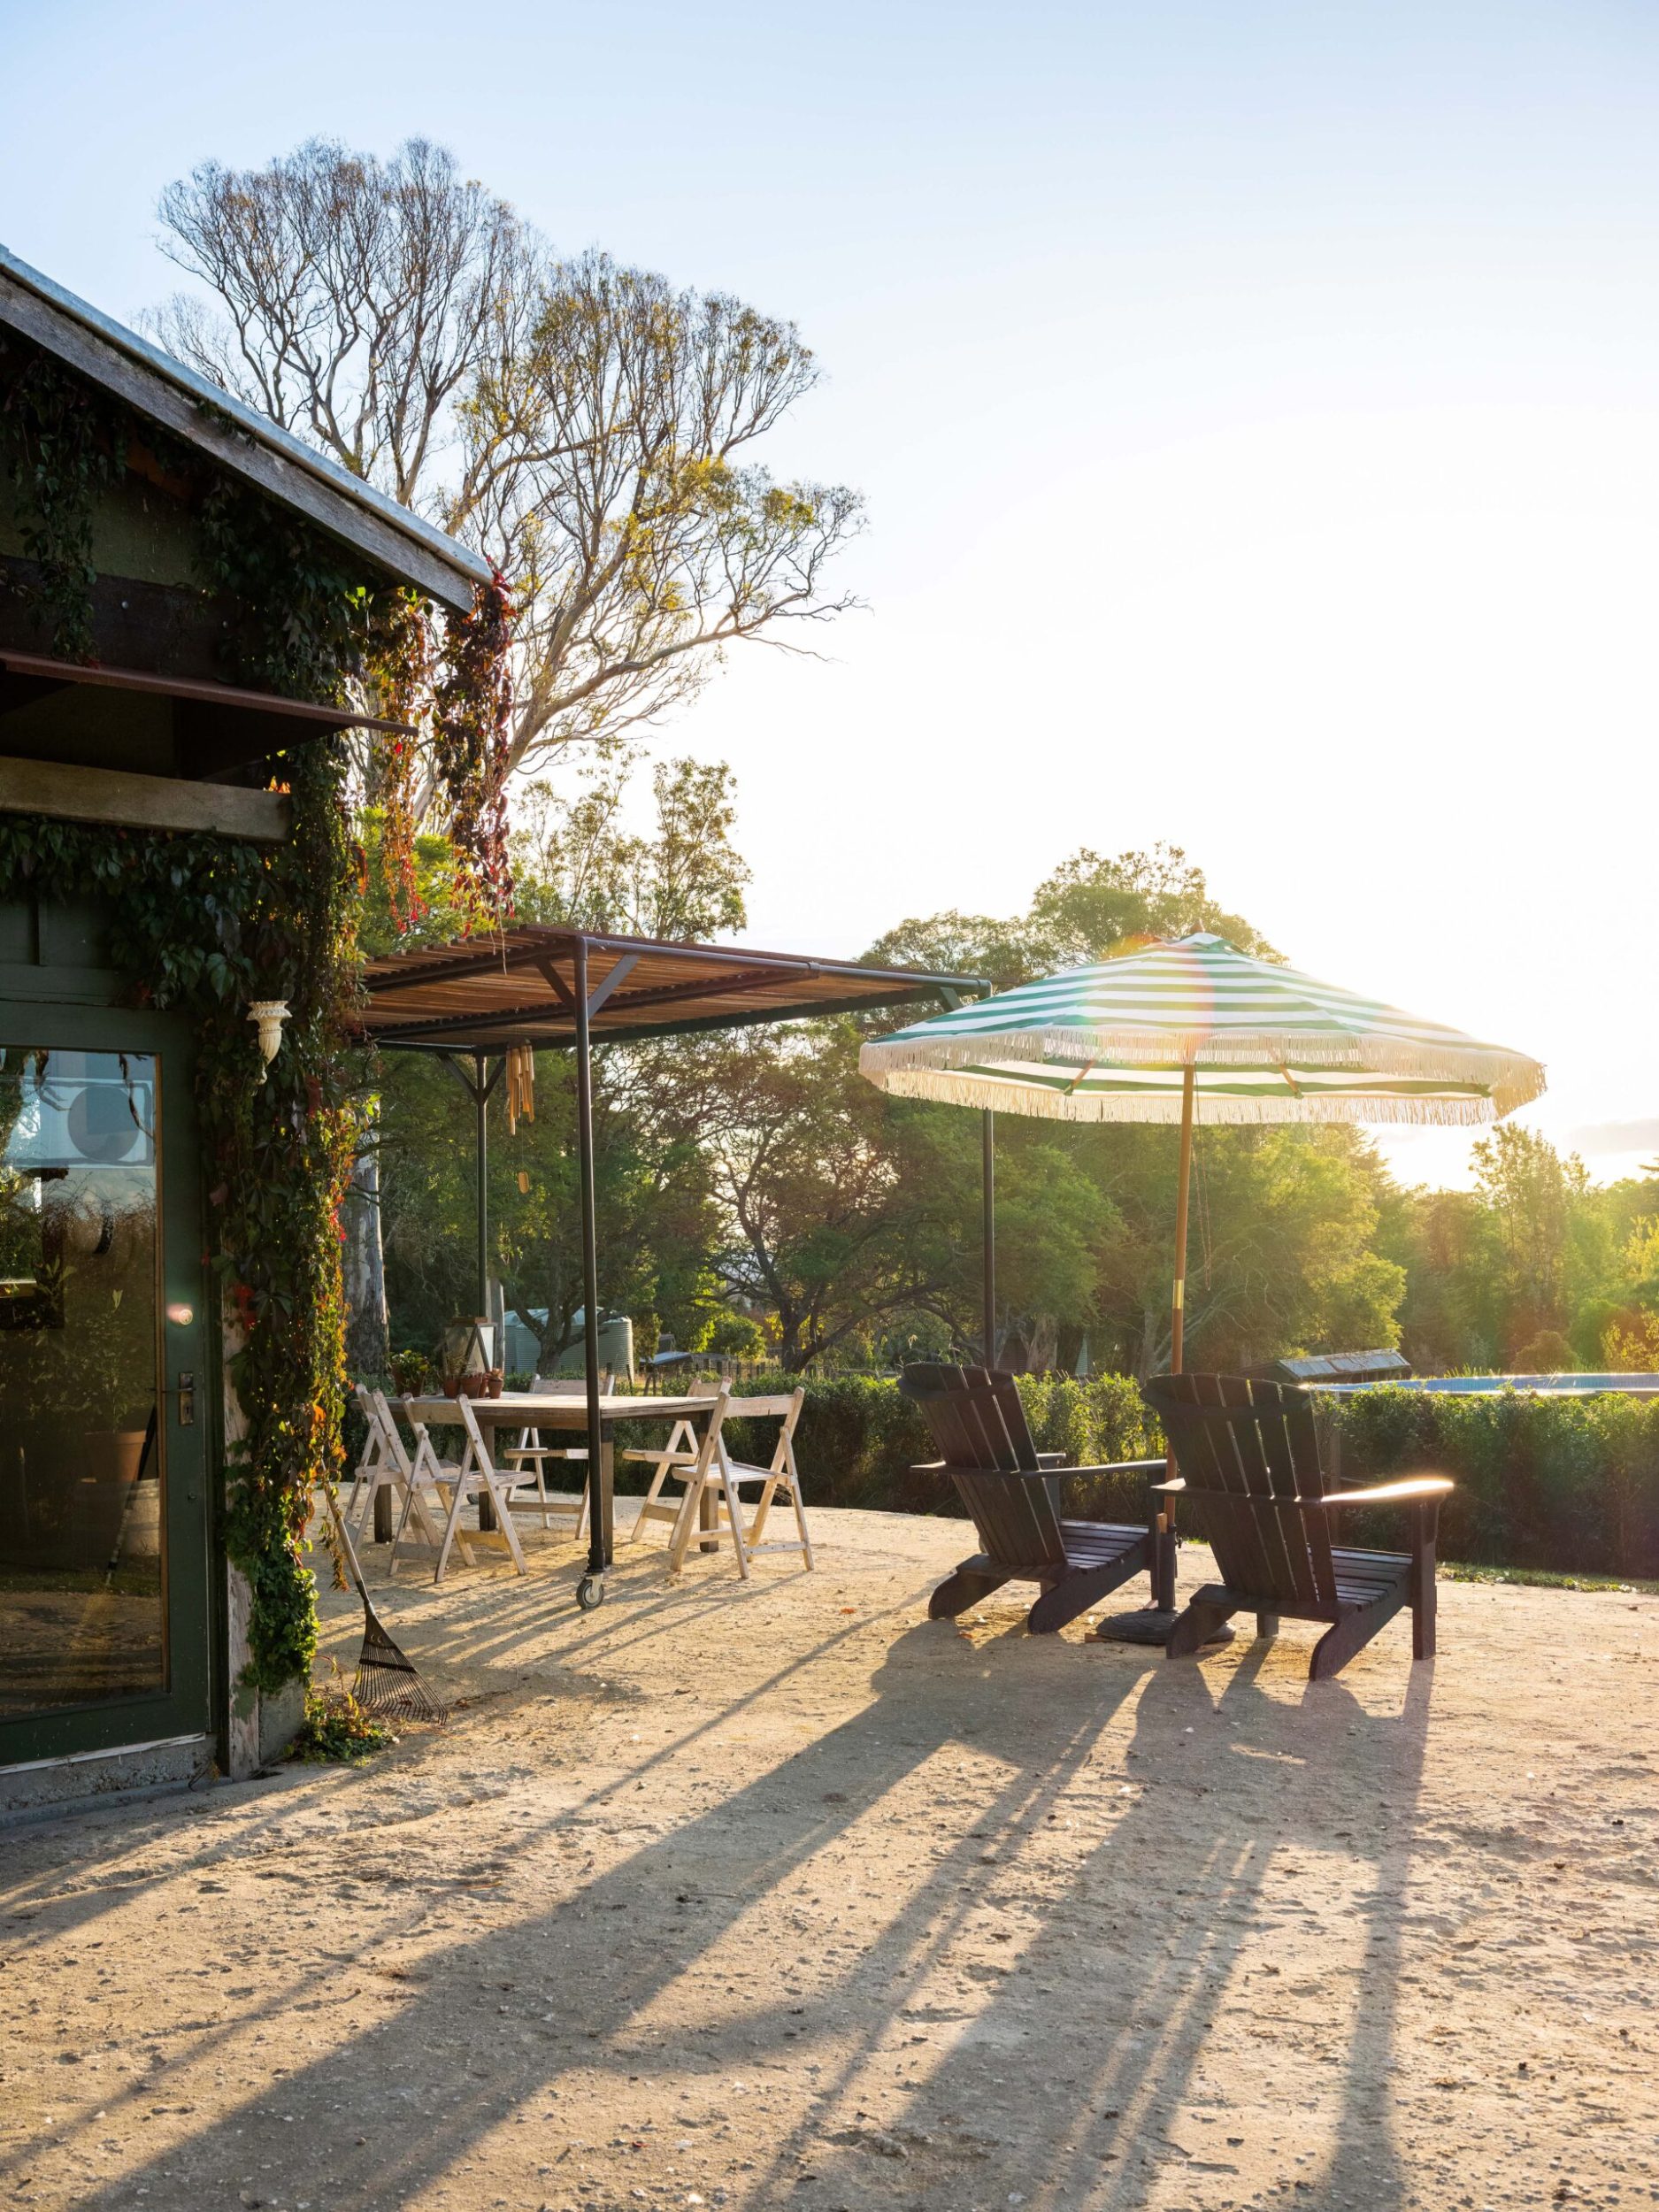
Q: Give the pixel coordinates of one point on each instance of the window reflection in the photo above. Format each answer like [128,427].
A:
[80,1475]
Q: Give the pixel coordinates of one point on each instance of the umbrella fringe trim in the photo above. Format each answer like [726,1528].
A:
[952,1087]
[1512,1080]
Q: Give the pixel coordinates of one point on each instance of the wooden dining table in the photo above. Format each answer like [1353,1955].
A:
[568,1413]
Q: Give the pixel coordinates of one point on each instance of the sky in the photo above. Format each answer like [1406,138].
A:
[1258,408]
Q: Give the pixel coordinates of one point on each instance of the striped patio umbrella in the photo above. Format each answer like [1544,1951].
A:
[1192,1032]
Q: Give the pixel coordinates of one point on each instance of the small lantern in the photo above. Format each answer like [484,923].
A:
[268,1015]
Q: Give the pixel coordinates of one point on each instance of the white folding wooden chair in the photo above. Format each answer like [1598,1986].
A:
[725,1481]
[401,1474]
[676,1462]
[373,1457]
[529,1458]
[478,1476]
[703,1470]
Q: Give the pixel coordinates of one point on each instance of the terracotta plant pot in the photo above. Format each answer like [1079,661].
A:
[113,1454]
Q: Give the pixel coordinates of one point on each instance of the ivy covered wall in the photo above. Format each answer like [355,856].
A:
[203,925]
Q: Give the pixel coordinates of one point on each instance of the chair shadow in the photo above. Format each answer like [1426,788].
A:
[1140,2052]
[1134,2055]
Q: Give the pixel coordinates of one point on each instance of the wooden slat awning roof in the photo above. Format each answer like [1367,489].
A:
[484,993]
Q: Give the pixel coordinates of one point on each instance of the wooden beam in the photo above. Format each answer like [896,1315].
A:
[188,688]
[158,803]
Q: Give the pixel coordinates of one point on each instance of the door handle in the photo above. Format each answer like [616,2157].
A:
[185,1395]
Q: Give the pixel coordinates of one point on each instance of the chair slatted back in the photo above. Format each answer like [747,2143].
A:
[1014,1507]
[374,1443]
[1004,1395]
[785,1409]
[1249,1456]
[391,1440]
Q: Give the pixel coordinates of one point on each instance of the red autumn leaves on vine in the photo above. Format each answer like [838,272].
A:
[467,693]
[471,709]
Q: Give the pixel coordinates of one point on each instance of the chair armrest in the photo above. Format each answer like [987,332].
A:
[1051,1459]
[1000,1474]
[1411,1489]
[1174,1486]
[1117,1467]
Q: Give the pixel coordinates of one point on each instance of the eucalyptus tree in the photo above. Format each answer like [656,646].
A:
[589,426]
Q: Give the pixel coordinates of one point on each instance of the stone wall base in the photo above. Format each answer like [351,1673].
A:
[51,1785]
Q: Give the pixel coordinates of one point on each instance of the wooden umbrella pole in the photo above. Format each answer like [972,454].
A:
[1177,1315]
[987,1201]
[1166,1592]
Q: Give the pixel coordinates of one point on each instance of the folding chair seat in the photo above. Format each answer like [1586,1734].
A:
[476,1477]
[724,1480]
[676,1462]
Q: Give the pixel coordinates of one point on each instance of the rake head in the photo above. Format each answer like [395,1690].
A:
[387,1682]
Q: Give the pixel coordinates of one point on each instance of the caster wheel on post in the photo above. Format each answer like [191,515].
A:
[590,1592]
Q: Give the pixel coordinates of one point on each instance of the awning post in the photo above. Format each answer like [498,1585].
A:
[988,1231]
[596,1560]
[480,1105]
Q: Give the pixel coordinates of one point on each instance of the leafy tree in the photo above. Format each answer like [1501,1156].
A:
[576,854]
[844,1214]
[1088,909]
[1283,1217]
[579,858]
[1091,907]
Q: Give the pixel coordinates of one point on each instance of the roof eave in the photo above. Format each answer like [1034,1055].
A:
[241,440]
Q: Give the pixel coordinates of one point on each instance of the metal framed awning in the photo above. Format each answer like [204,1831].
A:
[558,988]
[520,988]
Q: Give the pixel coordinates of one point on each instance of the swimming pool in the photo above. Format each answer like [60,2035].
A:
[1493,1386]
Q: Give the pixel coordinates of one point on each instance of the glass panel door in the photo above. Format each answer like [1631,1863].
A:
[98,1487]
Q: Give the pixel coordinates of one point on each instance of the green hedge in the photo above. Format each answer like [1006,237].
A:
[1567,1485]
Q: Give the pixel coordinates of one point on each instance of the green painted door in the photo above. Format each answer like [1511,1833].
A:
[106,1615]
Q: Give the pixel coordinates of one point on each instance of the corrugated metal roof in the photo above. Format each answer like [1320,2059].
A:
[237,436]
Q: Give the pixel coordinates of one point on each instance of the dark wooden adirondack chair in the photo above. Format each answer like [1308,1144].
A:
[1013,1493]
[1250,1463]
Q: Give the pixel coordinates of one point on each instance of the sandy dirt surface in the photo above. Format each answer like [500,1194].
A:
[784,1896]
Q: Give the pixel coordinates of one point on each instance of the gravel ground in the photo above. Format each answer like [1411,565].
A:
[784,1896]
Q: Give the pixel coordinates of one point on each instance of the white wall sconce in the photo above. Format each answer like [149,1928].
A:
[268,1015]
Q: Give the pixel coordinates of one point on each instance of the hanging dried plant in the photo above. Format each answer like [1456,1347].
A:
[472,709]
[403,672]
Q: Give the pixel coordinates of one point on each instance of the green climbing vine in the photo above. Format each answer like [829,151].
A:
[205,923]
[60,438]
[211,922]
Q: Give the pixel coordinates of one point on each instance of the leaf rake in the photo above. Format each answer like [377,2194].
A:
[387,1682]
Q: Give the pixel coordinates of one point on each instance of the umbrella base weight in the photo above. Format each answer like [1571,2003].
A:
[1149,1625]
